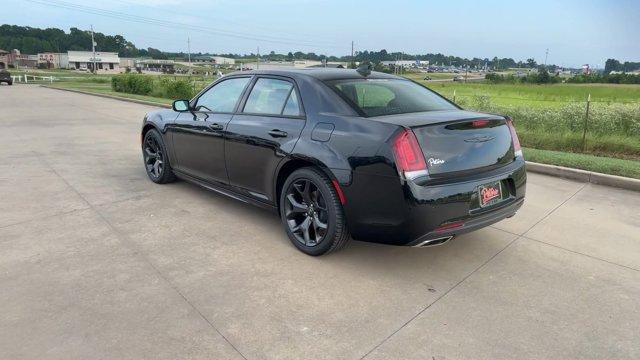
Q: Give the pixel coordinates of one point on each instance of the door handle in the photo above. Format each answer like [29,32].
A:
[278,133]
[216,127]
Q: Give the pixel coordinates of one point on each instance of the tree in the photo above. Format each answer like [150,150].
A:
[531,63]
[543,76]
[33,40]
[156,54]
[612,65]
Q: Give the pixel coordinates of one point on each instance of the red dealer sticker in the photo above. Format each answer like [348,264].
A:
[490,194]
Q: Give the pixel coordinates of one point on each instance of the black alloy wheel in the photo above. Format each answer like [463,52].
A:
[155,158]
[306,212]
[311,212]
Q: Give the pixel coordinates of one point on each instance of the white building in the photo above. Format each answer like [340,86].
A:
[406,63]
[213,60]
[220,60]
[84,60]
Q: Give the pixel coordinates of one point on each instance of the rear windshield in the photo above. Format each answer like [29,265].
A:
[376,97]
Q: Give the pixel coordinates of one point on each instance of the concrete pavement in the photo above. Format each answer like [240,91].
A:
[98,262]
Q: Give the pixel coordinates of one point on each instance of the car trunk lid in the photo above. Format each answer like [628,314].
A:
[455,142]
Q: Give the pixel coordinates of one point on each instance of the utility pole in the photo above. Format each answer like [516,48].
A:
[545,58]
[189,53]
[395,66]
[353,62]
[258,60]
[93,49]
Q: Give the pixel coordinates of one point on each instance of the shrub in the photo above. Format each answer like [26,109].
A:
[132,84]
[541,77]
[607,78]
[176,89]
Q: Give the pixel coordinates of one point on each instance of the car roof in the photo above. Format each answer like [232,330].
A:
[323,74]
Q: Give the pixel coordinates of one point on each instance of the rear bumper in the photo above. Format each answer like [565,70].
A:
[406,213]
[475,223]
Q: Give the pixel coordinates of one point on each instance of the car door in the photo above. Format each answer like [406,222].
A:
[198,135]
[264,131]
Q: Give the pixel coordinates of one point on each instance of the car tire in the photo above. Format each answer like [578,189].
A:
[156,160]
[304,214]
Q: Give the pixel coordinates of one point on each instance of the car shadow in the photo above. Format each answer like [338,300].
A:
[472,248]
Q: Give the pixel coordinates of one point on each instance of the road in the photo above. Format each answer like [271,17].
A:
[98,262]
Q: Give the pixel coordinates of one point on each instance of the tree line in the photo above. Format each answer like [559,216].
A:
[615,65]
[31,40]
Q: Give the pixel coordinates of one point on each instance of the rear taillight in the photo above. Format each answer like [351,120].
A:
[479,123]
[514,137]
[409,158]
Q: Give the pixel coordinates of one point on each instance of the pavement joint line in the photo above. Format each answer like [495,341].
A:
[439,298]
[544,217]
[473,272]
[127,242]
[22,222]
[62,213]
[563,248]
[554,209]
[579,253]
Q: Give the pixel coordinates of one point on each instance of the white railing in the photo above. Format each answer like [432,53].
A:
[34,78]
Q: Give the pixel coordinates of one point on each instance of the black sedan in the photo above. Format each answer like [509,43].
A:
[342,154]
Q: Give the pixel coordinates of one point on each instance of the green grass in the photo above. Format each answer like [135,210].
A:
[605,165]
[538,95]
[617,146]
[419,76]
[105,88]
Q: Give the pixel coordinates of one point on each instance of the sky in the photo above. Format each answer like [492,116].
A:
[575,32]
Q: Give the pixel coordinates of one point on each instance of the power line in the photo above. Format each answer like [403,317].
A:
[173,25]
[209,18]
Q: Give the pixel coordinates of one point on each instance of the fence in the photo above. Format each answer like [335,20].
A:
[34,78]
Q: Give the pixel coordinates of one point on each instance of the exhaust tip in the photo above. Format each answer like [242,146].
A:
[434,242]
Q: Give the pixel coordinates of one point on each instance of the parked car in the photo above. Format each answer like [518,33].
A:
[427,78]
[458,78]
[342,154]
[5,77]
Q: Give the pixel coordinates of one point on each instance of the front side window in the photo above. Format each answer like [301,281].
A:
[377,97]
[223,96]
[272,97]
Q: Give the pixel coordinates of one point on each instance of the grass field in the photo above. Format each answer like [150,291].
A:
[535,95]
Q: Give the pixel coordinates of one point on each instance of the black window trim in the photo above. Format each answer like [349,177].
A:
[240,108]
[195,99]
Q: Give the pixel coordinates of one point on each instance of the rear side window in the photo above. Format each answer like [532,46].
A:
[377,97]
[223,96]
[272,97]
[292,108]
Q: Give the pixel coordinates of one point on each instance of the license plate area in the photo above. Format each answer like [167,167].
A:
[490,194]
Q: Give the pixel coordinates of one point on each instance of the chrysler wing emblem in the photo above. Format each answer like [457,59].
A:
[480,138]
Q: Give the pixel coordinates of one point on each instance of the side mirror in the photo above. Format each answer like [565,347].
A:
[180,105]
